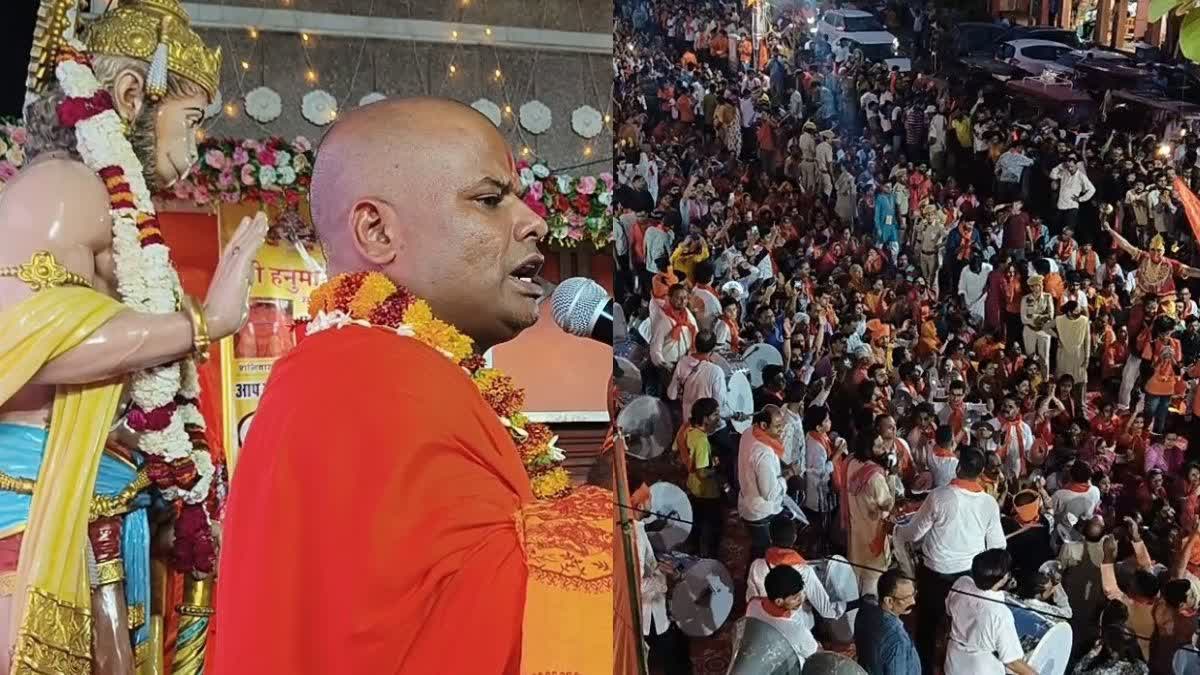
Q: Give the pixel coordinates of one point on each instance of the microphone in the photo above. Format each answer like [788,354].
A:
[582,307]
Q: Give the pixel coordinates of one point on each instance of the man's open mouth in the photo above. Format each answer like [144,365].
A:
[523,275]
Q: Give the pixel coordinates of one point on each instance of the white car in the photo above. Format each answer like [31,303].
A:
[1031,56]
[865,33]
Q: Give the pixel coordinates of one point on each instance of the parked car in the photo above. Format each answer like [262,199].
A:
[1048,33]
[973,38]
[1031,56]
[865,34]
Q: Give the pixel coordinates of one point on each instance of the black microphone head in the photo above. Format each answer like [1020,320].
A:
[577,304]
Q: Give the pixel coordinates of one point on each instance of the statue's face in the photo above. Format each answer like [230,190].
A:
[176,121]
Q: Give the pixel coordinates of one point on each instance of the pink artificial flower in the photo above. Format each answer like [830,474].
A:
[266,157]
[215,159]
[586,185]
[535,205]
[607,179]
[248,174]
[535,189]
[522,164]
[251,144]
[226,179]
[240,156]
[575,233]
[7,170]
[302,144]
[201,196]
[18,135]
[181,189]
[230,197]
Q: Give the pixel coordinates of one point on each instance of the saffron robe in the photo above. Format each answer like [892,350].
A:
[376,518]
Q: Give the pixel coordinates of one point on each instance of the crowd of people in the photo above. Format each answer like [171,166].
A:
[987,347]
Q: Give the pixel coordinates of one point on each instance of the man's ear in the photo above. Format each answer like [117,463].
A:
[374,235]
[129,94]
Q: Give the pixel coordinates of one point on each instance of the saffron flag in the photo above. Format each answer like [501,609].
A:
[1191,205]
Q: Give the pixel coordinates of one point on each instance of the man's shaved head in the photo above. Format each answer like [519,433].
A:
[425,190]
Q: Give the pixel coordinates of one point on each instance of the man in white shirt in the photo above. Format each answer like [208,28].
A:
[983,633]
[954,524]
[780,610]
[943,457]
[672,330]
[1014,438]
[973,286]
[821,450]
[937,140]
[1074,502]
[783,553]
[1074,188]
[706,304]
[760,477]
[697,377]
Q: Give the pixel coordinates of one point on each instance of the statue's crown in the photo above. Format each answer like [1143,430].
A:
[154,31]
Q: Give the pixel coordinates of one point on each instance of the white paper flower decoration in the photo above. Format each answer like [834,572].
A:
[371,98]
[535,117]
[319,107]
[587,121]
[490,110]
[214,107]
[263,104]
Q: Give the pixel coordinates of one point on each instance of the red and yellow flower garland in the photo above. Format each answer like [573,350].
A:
[371,298]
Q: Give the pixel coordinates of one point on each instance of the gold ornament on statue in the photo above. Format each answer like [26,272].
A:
[158,32]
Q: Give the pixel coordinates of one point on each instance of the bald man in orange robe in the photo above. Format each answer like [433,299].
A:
[380,518]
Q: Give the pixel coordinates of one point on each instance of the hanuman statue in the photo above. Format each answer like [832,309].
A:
[101,441]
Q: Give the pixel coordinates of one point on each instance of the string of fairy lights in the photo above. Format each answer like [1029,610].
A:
[490,73]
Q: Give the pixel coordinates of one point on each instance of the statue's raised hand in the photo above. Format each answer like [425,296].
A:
[228,303]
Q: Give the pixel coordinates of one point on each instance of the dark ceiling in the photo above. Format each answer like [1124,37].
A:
[16,39]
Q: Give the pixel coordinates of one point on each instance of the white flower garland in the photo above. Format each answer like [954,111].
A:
[145,279]
[263,104]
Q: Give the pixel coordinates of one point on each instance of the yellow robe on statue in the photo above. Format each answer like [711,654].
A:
[51,623]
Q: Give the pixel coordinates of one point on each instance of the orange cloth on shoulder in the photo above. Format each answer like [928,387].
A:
[372,525]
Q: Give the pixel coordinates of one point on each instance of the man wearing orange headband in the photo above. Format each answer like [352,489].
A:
[1028,534]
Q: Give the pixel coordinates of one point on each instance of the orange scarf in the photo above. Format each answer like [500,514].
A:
[1012,428]
[858,483]
[768,440]
[735,338]
[783,556]
[823,440]
[968,485]
[774,610]
[680,323]
[1079,488]
[1065,249]
[958,418]
[964,244]
[944,453]
[1089,263]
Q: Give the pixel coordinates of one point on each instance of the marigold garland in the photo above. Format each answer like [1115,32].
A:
[370,298]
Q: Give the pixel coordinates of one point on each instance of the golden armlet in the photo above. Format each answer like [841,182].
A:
[44,271]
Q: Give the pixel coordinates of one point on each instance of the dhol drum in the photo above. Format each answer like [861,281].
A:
[1046,643]
[740,398]
[758,357]
[903,549]
[841,583]
[633,352]
[671,530]
[702,600]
